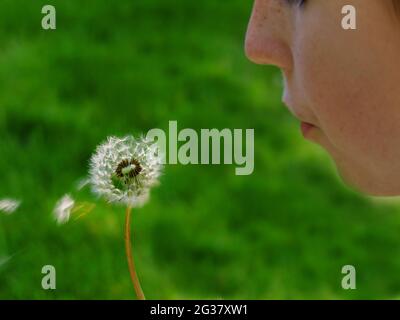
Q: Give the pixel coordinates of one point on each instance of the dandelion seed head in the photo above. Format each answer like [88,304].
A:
[8,206]
[123,170]
[62,210]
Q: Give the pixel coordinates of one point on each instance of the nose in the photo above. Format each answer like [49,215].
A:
[267,35]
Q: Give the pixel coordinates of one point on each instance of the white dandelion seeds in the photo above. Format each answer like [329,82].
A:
[123,170]
[8,206]
[62,210]
[82,183]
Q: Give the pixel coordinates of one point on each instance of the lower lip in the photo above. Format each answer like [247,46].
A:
[306,128]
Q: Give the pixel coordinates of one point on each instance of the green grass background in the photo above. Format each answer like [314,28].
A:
[118,67]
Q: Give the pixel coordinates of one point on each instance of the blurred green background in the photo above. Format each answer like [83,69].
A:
[119,67]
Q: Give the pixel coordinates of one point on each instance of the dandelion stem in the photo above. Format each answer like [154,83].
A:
[131,264]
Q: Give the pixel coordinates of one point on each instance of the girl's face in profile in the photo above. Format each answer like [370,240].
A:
[344,85]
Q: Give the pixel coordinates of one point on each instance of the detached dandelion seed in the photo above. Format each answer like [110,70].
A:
[82,183]
[8,206]
[123,170]
[63,208]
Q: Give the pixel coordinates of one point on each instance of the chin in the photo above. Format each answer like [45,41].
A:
[366,183]
[357,176]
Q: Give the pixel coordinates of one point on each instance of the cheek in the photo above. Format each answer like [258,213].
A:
[344,91]
[340,108]
[349,84]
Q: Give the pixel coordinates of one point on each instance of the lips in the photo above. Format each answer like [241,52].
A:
[306,128]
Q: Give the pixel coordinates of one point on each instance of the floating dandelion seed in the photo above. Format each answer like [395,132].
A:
[82,183]
[123,170]
[62,210]
[8,206]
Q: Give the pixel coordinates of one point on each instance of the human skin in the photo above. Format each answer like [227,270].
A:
[346,83]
